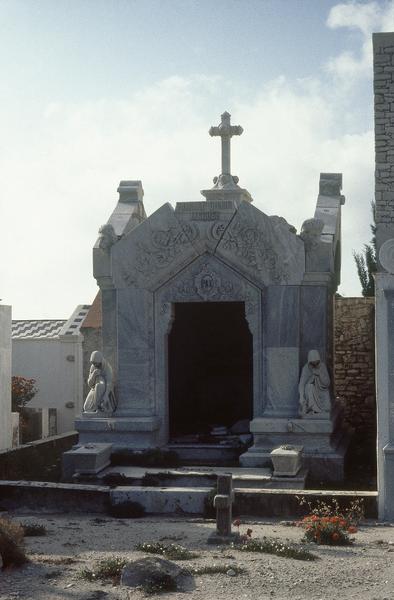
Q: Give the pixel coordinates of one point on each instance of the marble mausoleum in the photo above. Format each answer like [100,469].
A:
[209,313]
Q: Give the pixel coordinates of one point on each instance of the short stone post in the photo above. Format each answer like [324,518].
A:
[223,503]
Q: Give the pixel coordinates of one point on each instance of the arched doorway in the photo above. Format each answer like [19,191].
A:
[210,353]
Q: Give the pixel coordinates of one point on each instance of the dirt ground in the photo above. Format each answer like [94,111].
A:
[73,542]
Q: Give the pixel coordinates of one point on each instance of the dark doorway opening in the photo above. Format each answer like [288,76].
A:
[210,367]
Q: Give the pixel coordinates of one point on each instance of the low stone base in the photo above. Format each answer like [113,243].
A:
[86,459]
[124,433]
[324,444]
[321,467]
[221,540]
[296,482]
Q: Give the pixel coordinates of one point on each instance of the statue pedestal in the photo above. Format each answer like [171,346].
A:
[134,433]
[324,444]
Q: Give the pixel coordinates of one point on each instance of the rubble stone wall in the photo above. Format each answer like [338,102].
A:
[354,362]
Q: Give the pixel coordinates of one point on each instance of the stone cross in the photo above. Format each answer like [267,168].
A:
[225,130]
[223,503]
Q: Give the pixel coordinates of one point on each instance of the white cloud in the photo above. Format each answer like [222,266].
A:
[75,157]
[365,18]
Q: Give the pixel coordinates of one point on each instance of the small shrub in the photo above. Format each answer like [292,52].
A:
[328,524]
[216,569]
[129,510]
[11,544]
[108,568]
[33,529]
[170,551]
[276,547]
[56,560]
[159,583]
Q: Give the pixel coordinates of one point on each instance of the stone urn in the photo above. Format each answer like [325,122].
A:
[287,460]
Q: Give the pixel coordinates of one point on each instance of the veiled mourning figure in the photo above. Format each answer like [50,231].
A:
[101,398]
[314,388]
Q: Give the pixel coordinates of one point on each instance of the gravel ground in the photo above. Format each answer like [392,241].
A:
[73,542]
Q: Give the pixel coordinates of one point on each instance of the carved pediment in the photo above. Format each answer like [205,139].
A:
[261,248]
[154,251]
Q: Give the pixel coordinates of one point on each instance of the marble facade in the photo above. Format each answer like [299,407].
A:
[222,249]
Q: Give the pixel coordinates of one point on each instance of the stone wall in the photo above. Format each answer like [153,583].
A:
[354,362]
[37,461]
[384,128]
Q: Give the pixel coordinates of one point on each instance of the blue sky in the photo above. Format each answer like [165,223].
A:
[95,91]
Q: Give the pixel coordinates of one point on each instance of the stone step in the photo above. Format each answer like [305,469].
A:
[198,477]
[208,454]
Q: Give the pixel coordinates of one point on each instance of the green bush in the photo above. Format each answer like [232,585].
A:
[276,547]
[108,568]
[170,551]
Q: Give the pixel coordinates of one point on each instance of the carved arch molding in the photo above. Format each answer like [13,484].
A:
[206,280]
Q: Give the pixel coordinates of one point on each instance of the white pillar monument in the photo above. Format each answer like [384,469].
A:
[383,47]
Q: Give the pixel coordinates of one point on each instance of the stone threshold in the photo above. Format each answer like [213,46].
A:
[45,497]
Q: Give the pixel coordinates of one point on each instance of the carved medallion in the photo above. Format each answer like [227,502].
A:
[386,255]
[207,283]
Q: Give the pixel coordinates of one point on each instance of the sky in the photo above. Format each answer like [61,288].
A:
[98,91]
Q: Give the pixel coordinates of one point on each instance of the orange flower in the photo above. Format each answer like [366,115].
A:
[352,529]
[335,536]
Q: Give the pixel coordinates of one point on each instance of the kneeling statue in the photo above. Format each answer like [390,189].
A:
[314,388]
[101,398]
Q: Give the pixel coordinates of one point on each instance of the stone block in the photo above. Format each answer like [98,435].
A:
[287,460]
[87,459]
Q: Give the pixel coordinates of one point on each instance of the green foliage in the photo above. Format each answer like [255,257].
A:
[170,551]
[108,568]
[216,569]
[366,262]
[329,525]
[267,546]
[11,544]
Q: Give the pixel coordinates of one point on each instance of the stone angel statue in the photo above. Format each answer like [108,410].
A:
[101,398]
[314,388]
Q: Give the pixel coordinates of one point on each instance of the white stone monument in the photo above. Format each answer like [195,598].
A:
[209,313]
[5,378]
[383,46]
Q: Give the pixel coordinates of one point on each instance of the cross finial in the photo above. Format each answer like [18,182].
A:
[225,130]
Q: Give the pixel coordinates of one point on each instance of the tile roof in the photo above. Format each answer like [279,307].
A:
[50,328]
[37,328]
[94,316]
